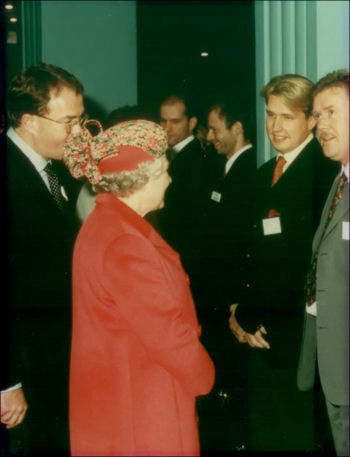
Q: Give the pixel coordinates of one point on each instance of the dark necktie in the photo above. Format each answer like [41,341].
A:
[170,154]
[277,172]
[310,284]
[55,186]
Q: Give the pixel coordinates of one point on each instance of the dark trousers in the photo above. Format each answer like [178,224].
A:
[282,418]
[223,414]
[41,434]
[4,441]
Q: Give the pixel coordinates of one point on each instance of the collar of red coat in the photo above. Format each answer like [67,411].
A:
[122,210]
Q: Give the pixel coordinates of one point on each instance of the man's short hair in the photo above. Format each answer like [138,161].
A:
[30,90]
[337,78]
[235,110]
[190,108]
[124,113]
[295,91]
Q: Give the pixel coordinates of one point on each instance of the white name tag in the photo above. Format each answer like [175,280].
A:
[216,196]
[345,233]
[272,226]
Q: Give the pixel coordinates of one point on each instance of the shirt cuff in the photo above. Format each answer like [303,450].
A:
[16,386]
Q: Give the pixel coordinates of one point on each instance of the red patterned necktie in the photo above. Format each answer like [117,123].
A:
[310,284]
[277,172]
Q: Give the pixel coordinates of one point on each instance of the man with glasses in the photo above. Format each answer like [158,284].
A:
[45,104]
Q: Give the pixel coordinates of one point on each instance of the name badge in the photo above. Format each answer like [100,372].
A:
[272,226]
[345,232]
[216,196]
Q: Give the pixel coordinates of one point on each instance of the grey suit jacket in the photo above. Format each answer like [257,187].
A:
[326,337]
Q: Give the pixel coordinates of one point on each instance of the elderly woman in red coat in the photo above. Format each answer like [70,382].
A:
[137,364]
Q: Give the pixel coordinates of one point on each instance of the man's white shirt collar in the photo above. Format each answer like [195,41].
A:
[38,161]
[292,155]
[179,146]
[346,170]
[235,156]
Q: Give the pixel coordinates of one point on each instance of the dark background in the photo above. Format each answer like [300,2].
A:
[9,47]
[11,35]
[170,38]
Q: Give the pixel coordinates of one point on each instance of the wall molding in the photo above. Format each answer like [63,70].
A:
[31,33]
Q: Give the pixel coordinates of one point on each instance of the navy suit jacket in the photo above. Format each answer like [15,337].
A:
[280,261]
[192,171]
[39,245]
[224,250]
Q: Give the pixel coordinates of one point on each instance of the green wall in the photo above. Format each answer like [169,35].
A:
[306,37]
[332,36]
[96,41]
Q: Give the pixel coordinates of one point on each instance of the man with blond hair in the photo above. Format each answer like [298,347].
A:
[290,192]
[326,327]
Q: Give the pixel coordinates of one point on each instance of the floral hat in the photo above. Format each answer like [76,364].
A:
[120,148]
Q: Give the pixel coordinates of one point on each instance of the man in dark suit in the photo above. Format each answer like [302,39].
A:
[290,192]
[45,104]
[326,325]
[223,255]
[192,169]
[229,202]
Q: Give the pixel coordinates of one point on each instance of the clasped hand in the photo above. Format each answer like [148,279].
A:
[255,340]
[13,407]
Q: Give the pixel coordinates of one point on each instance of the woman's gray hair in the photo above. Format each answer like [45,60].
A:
[125,183]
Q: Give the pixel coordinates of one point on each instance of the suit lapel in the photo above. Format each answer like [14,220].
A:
[20,169]
[341,209]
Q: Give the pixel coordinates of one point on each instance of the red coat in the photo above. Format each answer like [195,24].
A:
[137,364]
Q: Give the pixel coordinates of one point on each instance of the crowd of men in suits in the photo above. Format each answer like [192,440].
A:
[246,238]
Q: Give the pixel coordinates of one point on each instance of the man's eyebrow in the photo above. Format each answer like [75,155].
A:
[71,116]
[268,111]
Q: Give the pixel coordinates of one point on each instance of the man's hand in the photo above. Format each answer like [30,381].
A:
[255,340]
[236,329]
[13,407]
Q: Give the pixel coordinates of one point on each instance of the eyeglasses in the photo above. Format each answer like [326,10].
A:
[68,124]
